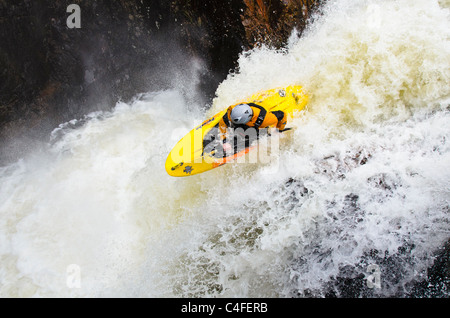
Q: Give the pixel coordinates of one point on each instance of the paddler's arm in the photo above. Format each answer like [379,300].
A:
[281,119]
[276,119]
[224,124]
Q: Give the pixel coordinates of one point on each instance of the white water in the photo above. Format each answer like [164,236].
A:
[366,169]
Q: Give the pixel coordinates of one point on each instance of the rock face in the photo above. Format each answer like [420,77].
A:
[271,22]
[52,73]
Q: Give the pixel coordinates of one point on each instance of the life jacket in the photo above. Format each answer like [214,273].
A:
[261,119]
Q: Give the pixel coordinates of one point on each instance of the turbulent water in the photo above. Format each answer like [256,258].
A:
[355,202]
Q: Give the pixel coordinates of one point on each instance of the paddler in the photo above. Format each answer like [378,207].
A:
[249,115]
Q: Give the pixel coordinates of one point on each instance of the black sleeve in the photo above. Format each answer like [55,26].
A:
[226,120]
[279,114]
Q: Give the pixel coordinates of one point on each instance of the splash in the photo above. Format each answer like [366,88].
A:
[361,180]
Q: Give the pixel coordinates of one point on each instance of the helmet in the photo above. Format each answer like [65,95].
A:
[241,114]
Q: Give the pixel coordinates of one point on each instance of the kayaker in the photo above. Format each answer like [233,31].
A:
[249,115]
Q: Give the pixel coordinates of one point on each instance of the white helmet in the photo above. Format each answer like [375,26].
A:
[241,114]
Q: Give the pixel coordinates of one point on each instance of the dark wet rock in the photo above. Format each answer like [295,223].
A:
[271,22]
[377,273]
[352,280]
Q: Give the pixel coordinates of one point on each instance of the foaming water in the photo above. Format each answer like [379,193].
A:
[362,179]
[91,199]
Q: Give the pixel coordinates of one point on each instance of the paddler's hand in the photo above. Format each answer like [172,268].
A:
[227,148]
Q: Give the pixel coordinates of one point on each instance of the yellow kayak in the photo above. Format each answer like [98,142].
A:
[188,157]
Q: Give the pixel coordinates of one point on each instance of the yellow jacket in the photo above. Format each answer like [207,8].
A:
[262,118]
